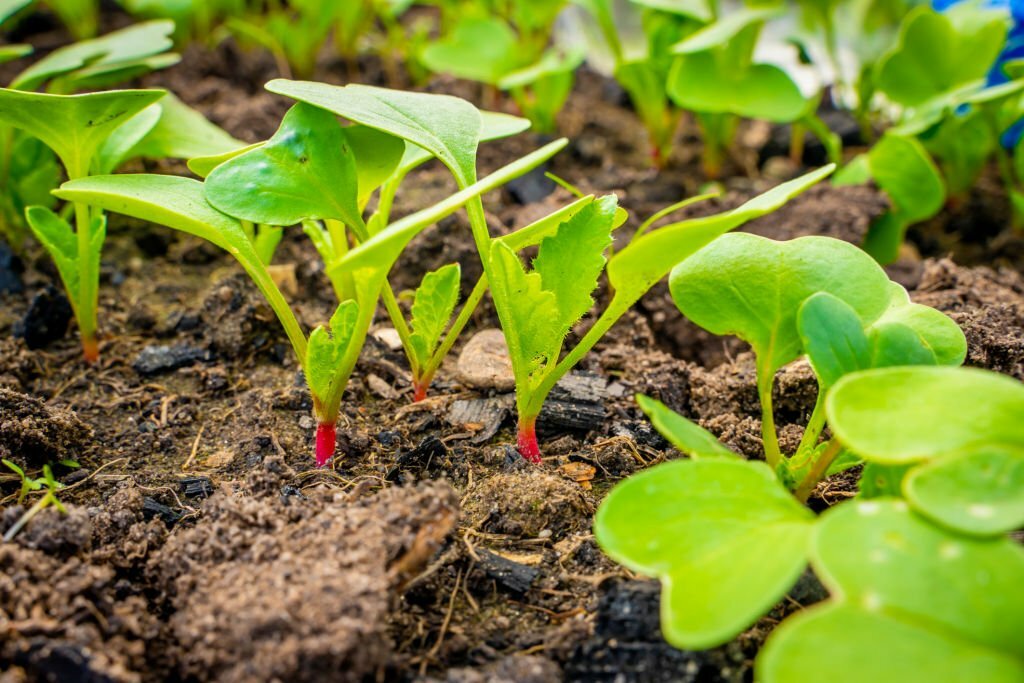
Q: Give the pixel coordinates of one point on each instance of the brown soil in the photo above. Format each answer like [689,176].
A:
[201,545]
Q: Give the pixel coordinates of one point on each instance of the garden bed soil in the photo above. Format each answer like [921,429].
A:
[201,544]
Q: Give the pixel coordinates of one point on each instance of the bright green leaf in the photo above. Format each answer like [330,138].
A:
[478,48]
[832,336]
[377,156]
[980,492]
[305,171]
[724,536]
[327,348]
[898,415]
[687,436]
[911,604]
[699,83]
[432,308]
[183,133]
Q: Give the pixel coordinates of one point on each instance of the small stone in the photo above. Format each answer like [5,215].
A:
[380,387]
[156,359]
[307,422]
[388,336]
[283,276]
[484,362]
[46,319]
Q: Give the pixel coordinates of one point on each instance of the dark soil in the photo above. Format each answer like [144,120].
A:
[201,544]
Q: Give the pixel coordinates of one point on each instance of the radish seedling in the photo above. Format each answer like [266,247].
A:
[331,352]
[732,536]
[49,499]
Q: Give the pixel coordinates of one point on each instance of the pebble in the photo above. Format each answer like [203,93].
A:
[388,336]
[306,422]
[156,359]
[484,362]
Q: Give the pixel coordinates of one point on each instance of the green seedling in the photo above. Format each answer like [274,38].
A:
[28,485]
[730,537]
[488,50]
[718,80]
[263,185]
[28,169]
[644,76]
[782,297]
[93,134]
[902,168]
[80,17]
[444,126]
[294,33]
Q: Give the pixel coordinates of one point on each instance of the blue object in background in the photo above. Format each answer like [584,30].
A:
[1013,49]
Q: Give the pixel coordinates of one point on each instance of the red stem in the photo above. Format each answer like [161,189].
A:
[527,440]
[326,438]
[419,391]
[91,350]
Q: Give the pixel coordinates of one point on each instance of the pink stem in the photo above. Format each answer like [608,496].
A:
[90,349]
[527,441]
[326,438]
[419,391]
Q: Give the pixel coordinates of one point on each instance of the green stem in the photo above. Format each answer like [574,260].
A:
[427,372]
[397,319]
[817,471]
[815,424]
[88,283]
[765,380]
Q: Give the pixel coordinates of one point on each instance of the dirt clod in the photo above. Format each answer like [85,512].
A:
[525,503]
[33,433]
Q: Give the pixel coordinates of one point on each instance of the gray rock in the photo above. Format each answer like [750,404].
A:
[484,362]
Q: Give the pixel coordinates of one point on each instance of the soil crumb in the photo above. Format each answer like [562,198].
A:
[33,433]
[528,503]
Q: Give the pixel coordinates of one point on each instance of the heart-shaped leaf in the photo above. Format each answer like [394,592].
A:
[73,126]
[305,171]
[724,536]
[753,287]
[445,126]
[898,415]
[910,602]
[981,492]
[928,61]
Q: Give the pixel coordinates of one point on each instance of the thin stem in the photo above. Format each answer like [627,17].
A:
[814,425]
[817,471]
[38,507]
[765,380]
[470,305]
[397,318]
[88,283]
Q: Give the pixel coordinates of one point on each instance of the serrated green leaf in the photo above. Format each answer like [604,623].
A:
[112,51]
[432,308]
[636,269]
[687,436]
[73,126]
[327,347]
[571,261]
[906,414]
[305,171]
[724,536]
[445,126]
[980,492]
[926,604]
[530,320]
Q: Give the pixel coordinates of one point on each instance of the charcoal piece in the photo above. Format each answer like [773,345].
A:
[196,487]
[488,414]
[419,458]
[156,359]
[46,319]
[11,268]
[154,509]
[557,415]
[509,574]
[530,187]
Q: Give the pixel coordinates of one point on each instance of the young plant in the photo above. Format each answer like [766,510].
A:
[718,80]
[488,50]
[730,537]
[538,308]
[274,187]
[28,485]
[645,76]
[28,169]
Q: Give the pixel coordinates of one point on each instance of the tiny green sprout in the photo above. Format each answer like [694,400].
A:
[730,537]
[49,498]
[717,79]
[293,33]
[269,183]
[432,308]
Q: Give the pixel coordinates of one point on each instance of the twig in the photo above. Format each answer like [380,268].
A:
[195,449]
